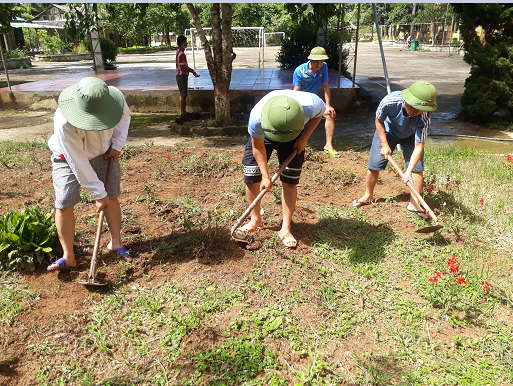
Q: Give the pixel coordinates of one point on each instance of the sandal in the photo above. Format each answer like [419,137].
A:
[287,239]
[243,231]
[61,265]
[122,252]
[332,153]
[357,203]
[417,212]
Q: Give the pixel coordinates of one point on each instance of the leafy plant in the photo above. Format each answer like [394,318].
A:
[27,238]
[109,50]
[53,44]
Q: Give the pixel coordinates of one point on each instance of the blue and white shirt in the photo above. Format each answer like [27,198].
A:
[308,82]
[390,110]
[313,107]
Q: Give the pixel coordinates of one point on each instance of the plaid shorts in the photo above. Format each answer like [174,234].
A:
[67,187]
[292,172]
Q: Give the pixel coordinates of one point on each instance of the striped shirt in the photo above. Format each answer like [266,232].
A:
[390,110]
[181,63]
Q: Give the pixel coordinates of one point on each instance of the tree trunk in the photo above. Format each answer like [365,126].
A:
[219,57]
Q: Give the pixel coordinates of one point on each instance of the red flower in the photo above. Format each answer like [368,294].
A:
[61,156]
[433,279]
[168,156]
[235,162]
[8,168]
[485,285]
[32,149]
[481,201]
[457,183]
[348,148]
[453,264]
[460,280]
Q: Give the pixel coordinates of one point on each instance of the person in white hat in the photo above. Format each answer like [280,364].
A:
[402,117]
[308,77]
[90,126]
[282,120]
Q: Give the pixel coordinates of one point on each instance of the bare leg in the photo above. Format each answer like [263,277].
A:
[329,125]
[113,215]
[370,183]
[252,191]
[183,103]
[65,224]
[288,199]
[418,181]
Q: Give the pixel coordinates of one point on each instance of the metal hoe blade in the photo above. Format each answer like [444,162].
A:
[429,229]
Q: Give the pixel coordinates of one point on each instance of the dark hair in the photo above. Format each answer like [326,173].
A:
[180,40]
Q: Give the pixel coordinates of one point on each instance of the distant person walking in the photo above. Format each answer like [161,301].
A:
[402,117]
[308,77]
[182,72]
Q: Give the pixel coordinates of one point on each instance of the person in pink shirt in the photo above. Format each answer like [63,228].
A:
[182,72]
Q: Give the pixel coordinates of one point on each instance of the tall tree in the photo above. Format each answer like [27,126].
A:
[219,56]
[8,12]
[487,96]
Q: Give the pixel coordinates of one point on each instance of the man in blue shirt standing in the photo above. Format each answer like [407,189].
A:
[402,118]
[308,77]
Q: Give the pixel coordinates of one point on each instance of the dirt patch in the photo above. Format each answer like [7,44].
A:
[159,192]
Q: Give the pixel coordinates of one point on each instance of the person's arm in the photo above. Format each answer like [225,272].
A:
[382,134]
[310,126]
[327,96]
[260,155]
[120,133]
[415,158]
[297,88]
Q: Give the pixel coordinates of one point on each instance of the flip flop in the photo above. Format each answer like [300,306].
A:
[288,239]
[332,153]
[61,265]
[417,212]
[357,203]
[244,230]
[123,252]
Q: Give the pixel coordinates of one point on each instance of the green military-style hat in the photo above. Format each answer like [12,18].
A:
[318,53]
[421,96]
[282,119]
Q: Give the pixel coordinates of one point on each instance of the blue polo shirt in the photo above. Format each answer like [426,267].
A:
[308,82]
[390,110]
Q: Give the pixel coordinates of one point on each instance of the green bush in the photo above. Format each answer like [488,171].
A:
[109,50]
[15,54]
[53,44]
[299,42]
[487,96]
[27,238]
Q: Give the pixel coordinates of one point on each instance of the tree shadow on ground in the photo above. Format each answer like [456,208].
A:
[359,241]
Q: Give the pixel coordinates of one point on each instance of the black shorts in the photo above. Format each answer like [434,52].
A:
[291,173]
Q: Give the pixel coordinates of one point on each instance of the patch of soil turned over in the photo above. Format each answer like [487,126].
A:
[152,182]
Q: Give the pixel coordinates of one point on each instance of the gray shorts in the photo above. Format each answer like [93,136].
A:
[183,84]
[376,160]
[67,187]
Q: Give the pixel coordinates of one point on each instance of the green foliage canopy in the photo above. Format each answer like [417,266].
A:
[488,90]
[8,12]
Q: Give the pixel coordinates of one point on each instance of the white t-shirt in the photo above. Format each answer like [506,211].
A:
[313,106]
